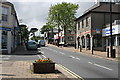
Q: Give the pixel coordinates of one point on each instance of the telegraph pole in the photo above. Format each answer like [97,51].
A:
[58,29]
[111,41]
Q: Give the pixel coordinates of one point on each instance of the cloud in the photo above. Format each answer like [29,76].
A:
[35,12]
[52,0]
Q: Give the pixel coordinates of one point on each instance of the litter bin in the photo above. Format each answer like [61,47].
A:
[113,55]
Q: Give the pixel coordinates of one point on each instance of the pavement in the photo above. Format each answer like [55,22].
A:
[20,70]
[98,54]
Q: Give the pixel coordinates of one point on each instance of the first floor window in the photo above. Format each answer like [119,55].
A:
[4,14]
[4,39]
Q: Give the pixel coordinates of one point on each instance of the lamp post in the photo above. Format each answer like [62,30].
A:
[111,41]
[58,29]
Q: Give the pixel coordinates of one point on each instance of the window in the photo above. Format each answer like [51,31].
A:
[4,14]
[87,22]
[82,23]
[78,25]
[4,39]
[70,38]
[119,40]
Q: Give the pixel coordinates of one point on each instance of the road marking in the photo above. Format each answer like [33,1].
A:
[72,56]
[4,58]
[90,62]
[55,51]
[100,66]
[103,67]
[78,58]
[44,56]
[39,56]
[62,53]
[71,72]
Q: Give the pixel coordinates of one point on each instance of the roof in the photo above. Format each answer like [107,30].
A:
[10,4]
[92,9]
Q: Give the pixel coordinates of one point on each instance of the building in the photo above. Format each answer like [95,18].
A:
[9,28]
[89,26]
[115,36]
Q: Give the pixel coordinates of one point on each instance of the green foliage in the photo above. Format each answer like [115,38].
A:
[25,33]
[36,38]
[47,27]
[63,14]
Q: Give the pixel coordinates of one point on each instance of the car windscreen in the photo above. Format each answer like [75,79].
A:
[31,43]
[42,42]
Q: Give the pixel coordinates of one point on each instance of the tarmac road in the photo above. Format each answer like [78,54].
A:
[88,67]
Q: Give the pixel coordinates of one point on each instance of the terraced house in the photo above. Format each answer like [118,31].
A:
[89,26]
[9,28]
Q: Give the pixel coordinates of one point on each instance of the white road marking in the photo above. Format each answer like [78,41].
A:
[39,56]
[100,66]
[44,56]
[62,53]
[78,58]
[72,56]
[103,67]
[55,51]
[90,62]
[4,58]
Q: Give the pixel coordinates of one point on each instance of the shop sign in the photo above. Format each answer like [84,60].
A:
[7,29]
[115,30]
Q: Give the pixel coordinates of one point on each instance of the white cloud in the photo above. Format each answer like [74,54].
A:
[34,12]
[52,0]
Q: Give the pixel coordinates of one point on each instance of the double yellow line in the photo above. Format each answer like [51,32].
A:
[70,72]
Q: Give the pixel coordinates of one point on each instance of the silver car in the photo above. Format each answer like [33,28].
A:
[31,45]
[41,43]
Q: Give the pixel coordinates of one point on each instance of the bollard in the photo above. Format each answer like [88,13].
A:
[113,53]
[92,50]
[108,52]
[80,48]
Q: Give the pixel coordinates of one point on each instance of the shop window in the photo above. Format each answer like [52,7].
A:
[78,25]
[98,40]
[113,41]
[4,14]
[87,22]
[4,39]
[70,38]
[82,23]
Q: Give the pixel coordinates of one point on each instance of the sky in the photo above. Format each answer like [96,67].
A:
[34,13]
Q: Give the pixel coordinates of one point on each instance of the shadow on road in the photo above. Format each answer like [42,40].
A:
[21,50]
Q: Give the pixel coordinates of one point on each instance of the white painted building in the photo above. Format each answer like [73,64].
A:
[9,28]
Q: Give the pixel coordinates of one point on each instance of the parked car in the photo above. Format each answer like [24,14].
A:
[41,43]
[32,45]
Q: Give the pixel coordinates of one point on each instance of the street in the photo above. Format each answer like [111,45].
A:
[83,65]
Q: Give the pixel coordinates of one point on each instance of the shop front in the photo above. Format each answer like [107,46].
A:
[5,40]
[115,38]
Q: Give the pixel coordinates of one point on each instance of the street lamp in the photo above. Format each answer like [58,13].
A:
[111,41]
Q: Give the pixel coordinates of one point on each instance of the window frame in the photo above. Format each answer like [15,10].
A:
[5,11]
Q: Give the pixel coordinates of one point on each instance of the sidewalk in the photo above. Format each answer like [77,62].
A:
[98,54]
[20,70]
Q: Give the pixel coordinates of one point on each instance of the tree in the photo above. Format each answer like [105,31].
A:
[25,33]
[63,15]
[48,26]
